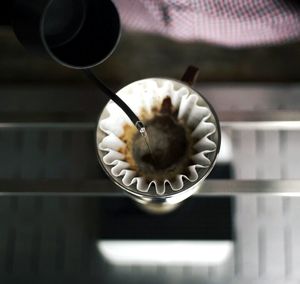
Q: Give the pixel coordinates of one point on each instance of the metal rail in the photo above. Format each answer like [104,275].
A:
[261,120]
[106,188]
[246,120]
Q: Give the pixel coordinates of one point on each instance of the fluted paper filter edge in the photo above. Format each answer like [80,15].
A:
[144,94]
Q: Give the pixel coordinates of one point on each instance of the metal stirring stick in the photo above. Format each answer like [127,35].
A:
[132,116]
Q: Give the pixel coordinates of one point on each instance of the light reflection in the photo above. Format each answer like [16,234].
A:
[165,252]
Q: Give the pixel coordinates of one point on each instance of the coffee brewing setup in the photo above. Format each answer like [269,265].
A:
[81,34]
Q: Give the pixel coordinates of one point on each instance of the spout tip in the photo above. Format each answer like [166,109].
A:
[141,128]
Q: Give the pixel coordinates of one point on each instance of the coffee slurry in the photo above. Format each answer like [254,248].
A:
[170,141]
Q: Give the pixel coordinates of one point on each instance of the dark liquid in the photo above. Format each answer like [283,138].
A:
[166,149]
[144,134]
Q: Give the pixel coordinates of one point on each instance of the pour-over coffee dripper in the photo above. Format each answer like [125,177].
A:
[168,199]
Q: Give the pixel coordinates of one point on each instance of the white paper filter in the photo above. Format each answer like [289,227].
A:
[145,94]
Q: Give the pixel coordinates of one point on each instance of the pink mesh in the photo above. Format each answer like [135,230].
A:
[232,23]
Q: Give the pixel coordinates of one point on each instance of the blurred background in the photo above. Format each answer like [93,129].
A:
[47,144]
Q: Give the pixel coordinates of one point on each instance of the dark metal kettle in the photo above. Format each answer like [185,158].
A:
[75,33]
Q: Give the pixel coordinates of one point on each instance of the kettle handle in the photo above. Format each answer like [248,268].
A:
[190,75]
